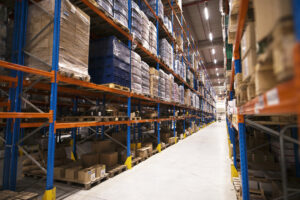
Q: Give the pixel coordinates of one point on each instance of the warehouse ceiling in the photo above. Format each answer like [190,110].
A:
[200,28]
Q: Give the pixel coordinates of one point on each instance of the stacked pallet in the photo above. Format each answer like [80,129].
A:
[110,63]
[74,29]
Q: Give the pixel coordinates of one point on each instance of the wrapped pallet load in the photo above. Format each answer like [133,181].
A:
[136,73]
[145,79]
[74,38]
[136,22]
[121,12]
[154,79]
[110,63]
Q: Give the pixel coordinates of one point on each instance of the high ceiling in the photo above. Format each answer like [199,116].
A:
[200,28]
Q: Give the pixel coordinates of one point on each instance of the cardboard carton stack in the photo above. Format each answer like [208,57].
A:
[74,38]
[154,79]
[136,73]
[145,78]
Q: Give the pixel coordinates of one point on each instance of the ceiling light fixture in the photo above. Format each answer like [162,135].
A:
[213,51]
[210,36]
[215,61]
[206,13]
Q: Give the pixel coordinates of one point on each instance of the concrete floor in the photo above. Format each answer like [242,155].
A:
[195,168]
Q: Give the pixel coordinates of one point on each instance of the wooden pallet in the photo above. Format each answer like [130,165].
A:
[11,195]
[117,87]
[116,170]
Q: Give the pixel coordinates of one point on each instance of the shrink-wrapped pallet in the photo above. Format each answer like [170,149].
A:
[74,38]
[136,21]
[154,77]
[145,79]
[152,4]
[153,39]
[136,73]
[121,11]
[110,63]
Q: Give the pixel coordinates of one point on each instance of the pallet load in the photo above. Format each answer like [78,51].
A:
[162,85]
[165,50]
[152,4]
[121,11]
[153,39]
[110,63]
[145,79]
[136,73]
[145,31]
[136,22]
[181,93]
[73,44]
[176,93]
[154,79]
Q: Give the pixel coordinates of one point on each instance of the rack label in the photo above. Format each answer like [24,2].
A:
[272,97]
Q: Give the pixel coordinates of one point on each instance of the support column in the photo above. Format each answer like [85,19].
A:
[50,193]
[243,157]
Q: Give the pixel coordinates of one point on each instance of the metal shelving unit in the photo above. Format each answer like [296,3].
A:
[52,84]
[284,98]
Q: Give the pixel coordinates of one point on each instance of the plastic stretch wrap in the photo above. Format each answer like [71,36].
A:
[153,38]
[136,21]
[152,4]
[106,5]
[74,38]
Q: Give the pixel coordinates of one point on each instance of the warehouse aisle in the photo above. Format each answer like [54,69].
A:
[196,168]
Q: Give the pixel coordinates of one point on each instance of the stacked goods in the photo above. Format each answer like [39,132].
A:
[187,97]
[145,78]
[264,75]
[181,93]
[153,38]
[110,63]
[145,31]
[167,88]
[74,38]
[3,32]
[121,11]
[162,84]
[136,22]
[136,73]
[152,4]
[248,52]
[171,81]
[106,5]
[154,77]
[176,93]
[165,50]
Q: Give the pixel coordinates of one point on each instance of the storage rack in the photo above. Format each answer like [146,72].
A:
[25,79]
[284,98]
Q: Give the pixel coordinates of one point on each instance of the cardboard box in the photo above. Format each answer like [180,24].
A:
[100,170]
[248,40]
[143,152]
[110,159]
[72,172]
[87,175]
[89,159]
[267,14]
[248,64]
[103,146]
[59,172]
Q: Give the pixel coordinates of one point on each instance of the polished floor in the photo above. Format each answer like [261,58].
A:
[194,169]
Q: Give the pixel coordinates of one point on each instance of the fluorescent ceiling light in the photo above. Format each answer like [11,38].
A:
[206,13]
[210,35]
[215,61]
[213,51]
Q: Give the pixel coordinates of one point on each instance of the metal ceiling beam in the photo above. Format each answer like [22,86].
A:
[205,44]
[193,3]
